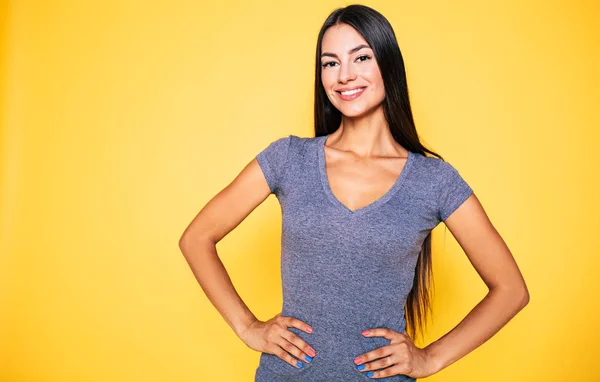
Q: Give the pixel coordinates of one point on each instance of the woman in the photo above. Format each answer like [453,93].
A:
[359,201]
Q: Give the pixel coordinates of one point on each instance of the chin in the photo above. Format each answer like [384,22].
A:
[353,114]
[355,111]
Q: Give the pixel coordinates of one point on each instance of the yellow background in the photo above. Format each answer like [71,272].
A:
[122,118]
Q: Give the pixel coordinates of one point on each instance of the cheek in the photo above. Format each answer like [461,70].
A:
[327,80]
[376,82]
[373,76]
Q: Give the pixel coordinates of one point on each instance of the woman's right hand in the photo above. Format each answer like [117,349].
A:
[274,337]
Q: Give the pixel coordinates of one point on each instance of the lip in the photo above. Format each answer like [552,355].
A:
[351,97]
[346,89]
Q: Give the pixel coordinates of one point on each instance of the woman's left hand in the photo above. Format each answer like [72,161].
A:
[401,356]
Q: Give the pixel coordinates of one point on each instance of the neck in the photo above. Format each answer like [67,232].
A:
[366,135]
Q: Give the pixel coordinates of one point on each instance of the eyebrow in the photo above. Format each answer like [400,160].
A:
[349,52]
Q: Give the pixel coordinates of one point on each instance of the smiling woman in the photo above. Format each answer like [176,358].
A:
[352,74]
[359,201]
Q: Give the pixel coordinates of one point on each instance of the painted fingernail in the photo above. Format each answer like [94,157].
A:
[299,364]
[360,367]
[370,374]
[357,360]
[365,332]
[309,329]
[308,358]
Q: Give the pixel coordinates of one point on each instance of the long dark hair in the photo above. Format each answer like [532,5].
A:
[380,36]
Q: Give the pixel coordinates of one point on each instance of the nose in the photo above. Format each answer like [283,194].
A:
[346,73]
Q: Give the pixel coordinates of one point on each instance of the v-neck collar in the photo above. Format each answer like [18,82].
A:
[384,198]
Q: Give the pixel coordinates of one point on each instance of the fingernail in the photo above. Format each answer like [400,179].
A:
[357,360]
[360,367]
[308,358]
[299,364]
[370,374]
[365,332]
[312,352]
[309,329]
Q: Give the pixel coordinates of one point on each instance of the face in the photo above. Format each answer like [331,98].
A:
[349,72]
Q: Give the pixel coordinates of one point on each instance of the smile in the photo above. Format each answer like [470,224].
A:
[351,95]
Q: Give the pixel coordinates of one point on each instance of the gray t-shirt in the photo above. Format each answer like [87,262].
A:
[345,271]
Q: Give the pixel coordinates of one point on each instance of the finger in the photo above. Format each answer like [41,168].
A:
[295,347]
[381,363]
[398,355]
[293,350]
[287,357]
[303,348]
[380,352]
[381,332]
[387,372]
[296,323]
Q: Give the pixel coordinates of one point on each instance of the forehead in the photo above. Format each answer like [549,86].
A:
[341,38]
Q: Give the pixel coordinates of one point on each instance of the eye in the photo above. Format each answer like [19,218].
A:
[327,64]
[365,58]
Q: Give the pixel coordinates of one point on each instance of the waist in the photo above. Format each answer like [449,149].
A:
[337,332]
[342,316]
[334,361]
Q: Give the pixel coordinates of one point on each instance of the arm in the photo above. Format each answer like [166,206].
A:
[495,264]
[221,215]
[218,217]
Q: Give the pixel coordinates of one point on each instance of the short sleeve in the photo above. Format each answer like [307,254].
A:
[453,190]
[272,161]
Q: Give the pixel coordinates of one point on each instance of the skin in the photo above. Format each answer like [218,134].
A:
[363,161]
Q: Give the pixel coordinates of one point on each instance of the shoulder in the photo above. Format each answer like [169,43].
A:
[284,145]
[432,167]
[449,186]
[295,139]
[302,145]
[303,141]
[283,156]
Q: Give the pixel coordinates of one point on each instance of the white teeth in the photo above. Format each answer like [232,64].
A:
[352,91]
